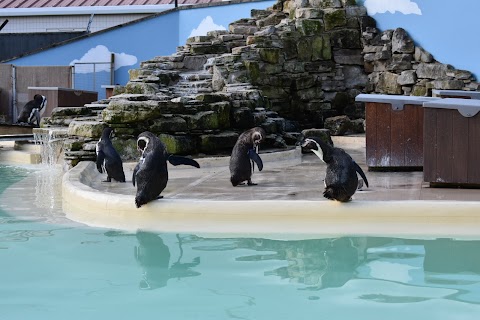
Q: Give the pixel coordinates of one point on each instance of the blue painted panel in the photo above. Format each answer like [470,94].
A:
[446,29]
[131,44]
[199,21]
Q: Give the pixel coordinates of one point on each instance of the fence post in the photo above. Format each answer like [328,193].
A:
[14,94]
[112,68]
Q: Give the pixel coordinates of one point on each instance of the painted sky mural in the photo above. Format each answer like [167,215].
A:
[447,29]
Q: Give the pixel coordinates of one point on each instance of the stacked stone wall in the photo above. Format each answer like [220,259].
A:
[297,65]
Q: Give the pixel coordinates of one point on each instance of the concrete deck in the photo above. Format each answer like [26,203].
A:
[286,202]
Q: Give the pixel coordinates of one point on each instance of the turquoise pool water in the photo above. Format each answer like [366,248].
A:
[51,268]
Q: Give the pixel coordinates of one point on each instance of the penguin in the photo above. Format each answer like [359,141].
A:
[151,174]
[108,160]
[244,153]
[341,179]
[31,110]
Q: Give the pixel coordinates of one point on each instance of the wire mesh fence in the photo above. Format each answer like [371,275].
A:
[92,75]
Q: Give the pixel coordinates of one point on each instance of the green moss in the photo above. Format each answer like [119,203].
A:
[419,91]
[327,48]
[317,48]
[270,55]
[304,49]
[178,144]
[309,27]
[253,70]
[127,149]
[335,18]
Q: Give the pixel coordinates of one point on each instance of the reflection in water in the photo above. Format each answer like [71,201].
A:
[23,235]
[318,263]
[452,256]
[154,257]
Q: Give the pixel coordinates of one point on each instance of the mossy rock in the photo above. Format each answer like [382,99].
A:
[212,143]
[253,70]
[346,39]
[169,124]
[270,55]
[127,149]
[141,88]
[178,144]
[309,27]
[73,144]
[89,129]
[321,48]
[419,91]
[211,97]
[304,49]
[125,111]
[334,18]
[70,111]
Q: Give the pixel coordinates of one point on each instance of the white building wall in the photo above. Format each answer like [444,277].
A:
[33,24]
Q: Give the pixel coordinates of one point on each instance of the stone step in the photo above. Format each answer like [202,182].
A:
[195,76]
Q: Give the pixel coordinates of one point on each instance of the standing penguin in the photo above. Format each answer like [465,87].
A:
[244,152]
[108,160]
[341,179]
[151,173]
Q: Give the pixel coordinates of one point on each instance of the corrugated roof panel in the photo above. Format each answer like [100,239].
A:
[11,4]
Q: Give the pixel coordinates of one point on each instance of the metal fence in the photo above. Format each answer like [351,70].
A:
[92,76]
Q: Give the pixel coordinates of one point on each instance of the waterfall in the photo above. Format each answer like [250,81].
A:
[51,145]
[49,177]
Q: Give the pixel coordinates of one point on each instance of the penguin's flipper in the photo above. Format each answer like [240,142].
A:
[135,173]
[360,171]
[256,158]
[34,118]
[177,160]
[100,159]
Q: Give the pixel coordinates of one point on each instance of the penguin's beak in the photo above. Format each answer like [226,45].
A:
[309,144]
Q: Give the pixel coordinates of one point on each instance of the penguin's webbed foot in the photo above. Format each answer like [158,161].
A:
[250,183]
[360,184]
[159,197]
[336,194]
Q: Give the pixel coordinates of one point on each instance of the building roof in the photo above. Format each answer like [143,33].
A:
[25,4]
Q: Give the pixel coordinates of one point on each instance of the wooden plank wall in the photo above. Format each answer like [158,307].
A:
[6,92]
[394,138]
[40,76]
[451,147]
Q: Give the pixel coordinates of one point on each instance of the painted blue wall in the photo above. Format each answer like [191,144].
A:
[141,41]
[221,17]
[446,29]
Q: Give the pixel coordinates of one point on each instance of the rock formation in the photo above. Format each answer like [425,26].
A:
[288,68]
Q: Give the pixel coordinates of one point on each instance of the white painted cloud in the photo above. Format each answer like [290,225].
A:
[392,6]
[206,25]
[102,54]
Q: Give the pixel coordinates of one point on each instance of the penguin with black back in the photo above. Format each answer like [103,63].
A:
[108,159]
[31,110]
[151,173]
[244,155]
[341,180]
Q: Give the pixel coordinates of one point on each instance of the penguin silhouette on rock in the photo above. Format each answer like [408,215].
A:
[108,160]
[151,173]
[244,153]
[341,179]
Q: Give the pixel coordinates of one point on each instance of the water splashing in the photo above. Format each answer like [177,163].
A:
[48,179]
[51,142]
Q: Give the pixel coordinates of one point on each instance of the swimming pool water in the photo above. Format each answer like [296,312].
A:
[51,268]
